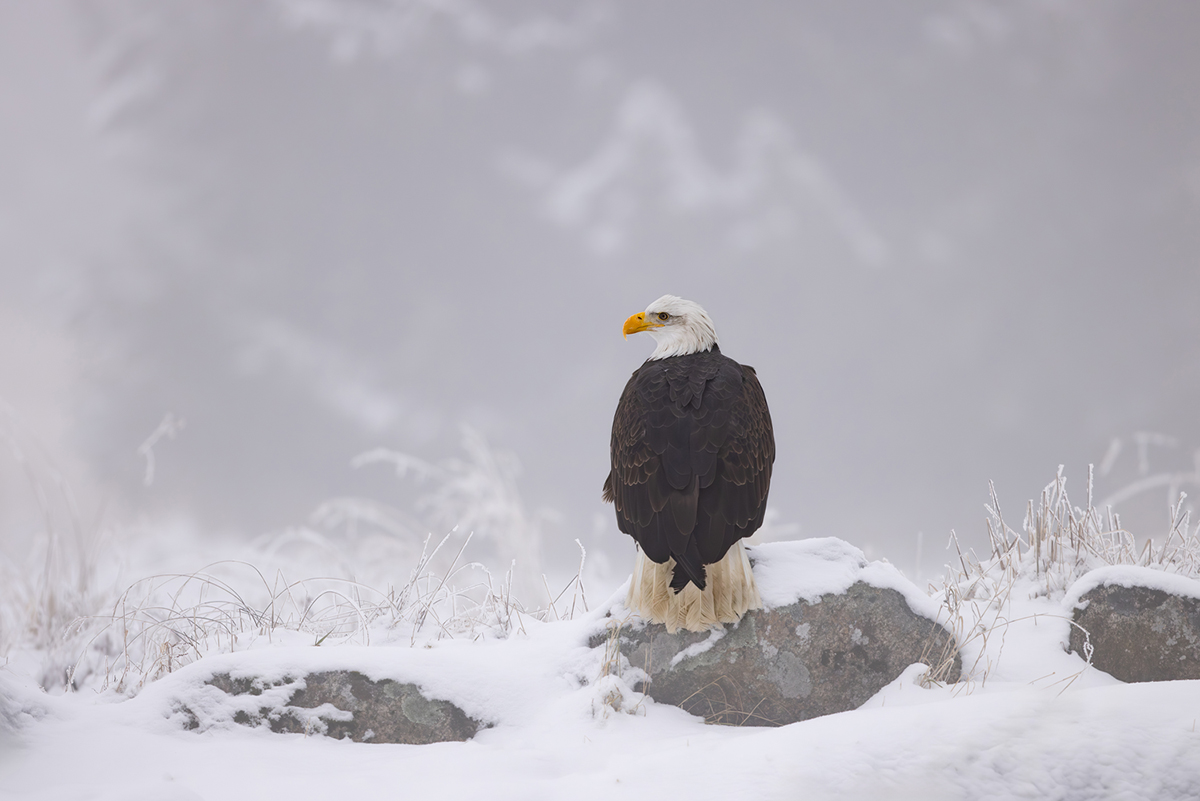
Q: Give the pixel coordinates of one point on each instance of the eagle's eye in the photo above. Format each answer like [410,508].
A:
[663,316]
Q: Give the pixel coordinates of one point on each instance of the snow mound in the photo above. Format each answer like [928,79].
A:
[496,682]
[1131,576]
[804,570]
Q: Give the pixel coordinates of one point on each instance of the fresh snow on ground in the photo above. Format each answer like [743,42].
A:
[1032,721]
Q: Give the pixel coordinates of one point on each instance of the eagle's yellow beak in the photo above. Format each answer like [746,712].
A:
[638,322]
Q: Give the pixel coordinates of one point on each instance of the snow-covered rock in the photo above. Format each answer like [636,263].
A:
[1139,624]
[835,630]
[344,704]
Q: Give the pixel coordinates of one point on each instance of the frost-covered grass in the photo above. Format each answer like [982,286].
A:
[159,623]
[358,574]
[1058,544]
[63,575]
[163,622]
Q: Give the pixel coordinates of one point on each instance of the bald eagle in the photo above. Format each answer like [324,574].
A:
[692,450]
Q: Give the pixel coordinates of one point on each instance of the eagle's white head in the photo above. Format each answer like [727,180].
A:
[679,327]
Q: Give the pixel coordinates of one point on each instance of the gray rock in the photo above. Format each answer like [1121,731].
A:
[1139,634]
[779,666]
[347,704]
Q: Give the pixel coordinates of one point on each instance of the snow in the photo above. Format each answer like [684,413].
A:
[1132,576]
[697,648]
[1033,721]
[787,572]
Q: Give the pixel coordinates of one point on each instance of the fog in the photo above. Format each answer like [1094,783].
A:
[960,242]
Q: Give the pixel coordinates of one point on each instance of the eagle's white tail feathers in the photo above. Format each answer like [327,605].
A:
[731,593]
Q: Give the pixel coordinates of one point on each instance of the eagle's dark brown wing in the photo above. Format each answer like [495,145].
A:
[692,450]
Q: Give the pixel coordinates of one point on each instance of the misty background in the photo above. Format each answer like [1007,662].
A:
[960,242]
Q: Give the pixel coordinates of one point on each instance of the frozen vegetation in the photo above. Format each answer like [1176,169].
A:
[97,670]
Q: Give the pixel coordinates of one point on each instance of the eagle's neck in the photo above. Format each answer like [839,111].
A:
[695,336]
